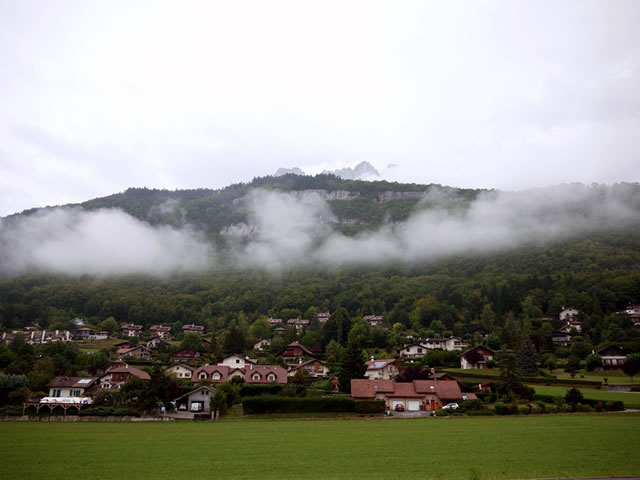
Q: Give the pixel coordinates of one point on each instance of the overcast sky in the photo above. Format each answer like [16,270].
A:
[97,96]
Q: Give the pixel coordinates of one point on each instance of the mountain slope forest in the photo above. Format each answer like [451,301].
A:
[582,249]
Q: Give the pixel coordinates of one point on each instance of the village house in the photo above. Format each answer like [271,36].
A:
[449,344]
[323,317]
[131,330]
[117,375]
[199,329]
[413,350]
[196,401]
[570,325]
[274,321]
[421,347]
[262,344]
[476,358]
[265,374]
[180,371]
[212,373]
[382,369]
[85,333]
[613,357]
[185,355]
[63,387]
[139,351]
[561,338]
[161,331]
[298,323]
[294,351]
[374,320]
[37,337]
[415,396]
[237,361]
[568,314]
[314,367]
[157,342]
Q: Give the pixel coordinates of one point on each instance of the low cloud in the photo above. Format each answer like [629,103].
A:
[102,242]
[284,230]
[494,221]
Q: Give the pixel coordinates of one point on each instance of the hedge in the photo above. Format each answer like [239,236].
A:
[108,412]
[616,406]
[550,381]
[255,389]
[370,406]
[280,404]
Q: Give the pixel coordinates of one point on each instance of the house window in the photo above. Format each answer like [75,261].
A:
[271,377]
[419,350]
[216,376]
[255,377]
[203,376]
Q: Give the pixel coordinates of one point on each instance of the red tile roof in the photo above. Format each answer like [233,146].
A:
[444,389]
[264,371]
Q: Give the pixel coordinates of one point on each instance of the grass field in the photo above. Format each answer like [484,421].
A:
[631,400]
[451,448]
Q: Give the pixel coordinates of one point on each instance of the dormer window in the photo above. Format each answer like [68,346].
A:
[203,376]
[271,377]
[215,376]
[255,377]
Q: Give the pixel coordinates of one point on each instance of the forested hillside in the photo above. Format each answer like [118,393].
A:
[584,259]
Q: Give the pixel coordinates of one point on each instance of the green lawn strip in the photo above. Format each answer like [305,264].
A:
[631,400]
[452,448]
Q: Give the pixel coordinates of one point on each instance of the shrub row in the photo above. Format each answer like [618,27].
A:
[597,404]
[545,380]
[280,404]
[369,406]
[255,389]
[108,412]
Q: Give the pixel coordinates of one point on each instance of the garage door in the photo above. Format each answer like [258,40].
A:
[397,402]
[414,405]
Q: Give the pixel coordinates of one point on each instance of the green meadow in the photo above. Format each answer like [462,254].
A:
[427,448]
[630,399]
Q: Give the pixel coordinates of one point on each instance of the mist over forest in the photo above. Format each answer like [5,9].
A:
[277,226]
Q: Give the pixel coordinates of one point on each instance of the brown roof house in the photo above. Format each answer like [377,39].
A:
[383,369]
[415,396]
[160,331]
[185,355]
[314,367]
[139,351]
[476,357]
[65,387]
[115,377]
[265,374]
[131,330]
[613,357]
[199,329]
[294,351]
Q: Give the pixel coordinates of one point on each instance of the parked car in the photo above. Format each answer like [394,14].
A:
[399,408]
[452,406]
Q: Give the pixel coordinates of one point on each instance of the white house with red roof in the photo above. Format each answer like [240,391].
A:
[383,369]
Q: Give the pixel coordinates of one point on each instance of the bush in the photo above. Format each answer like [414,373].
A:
[524,410]
[481,413]
[255,389]
[581,407]
[11,410]
[441,413]
[108,412]
[502,409]
[280,404]
[472,405]
[370,406]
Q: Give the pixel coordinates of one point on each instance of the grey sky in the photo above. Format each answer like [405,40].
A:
[99,96]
